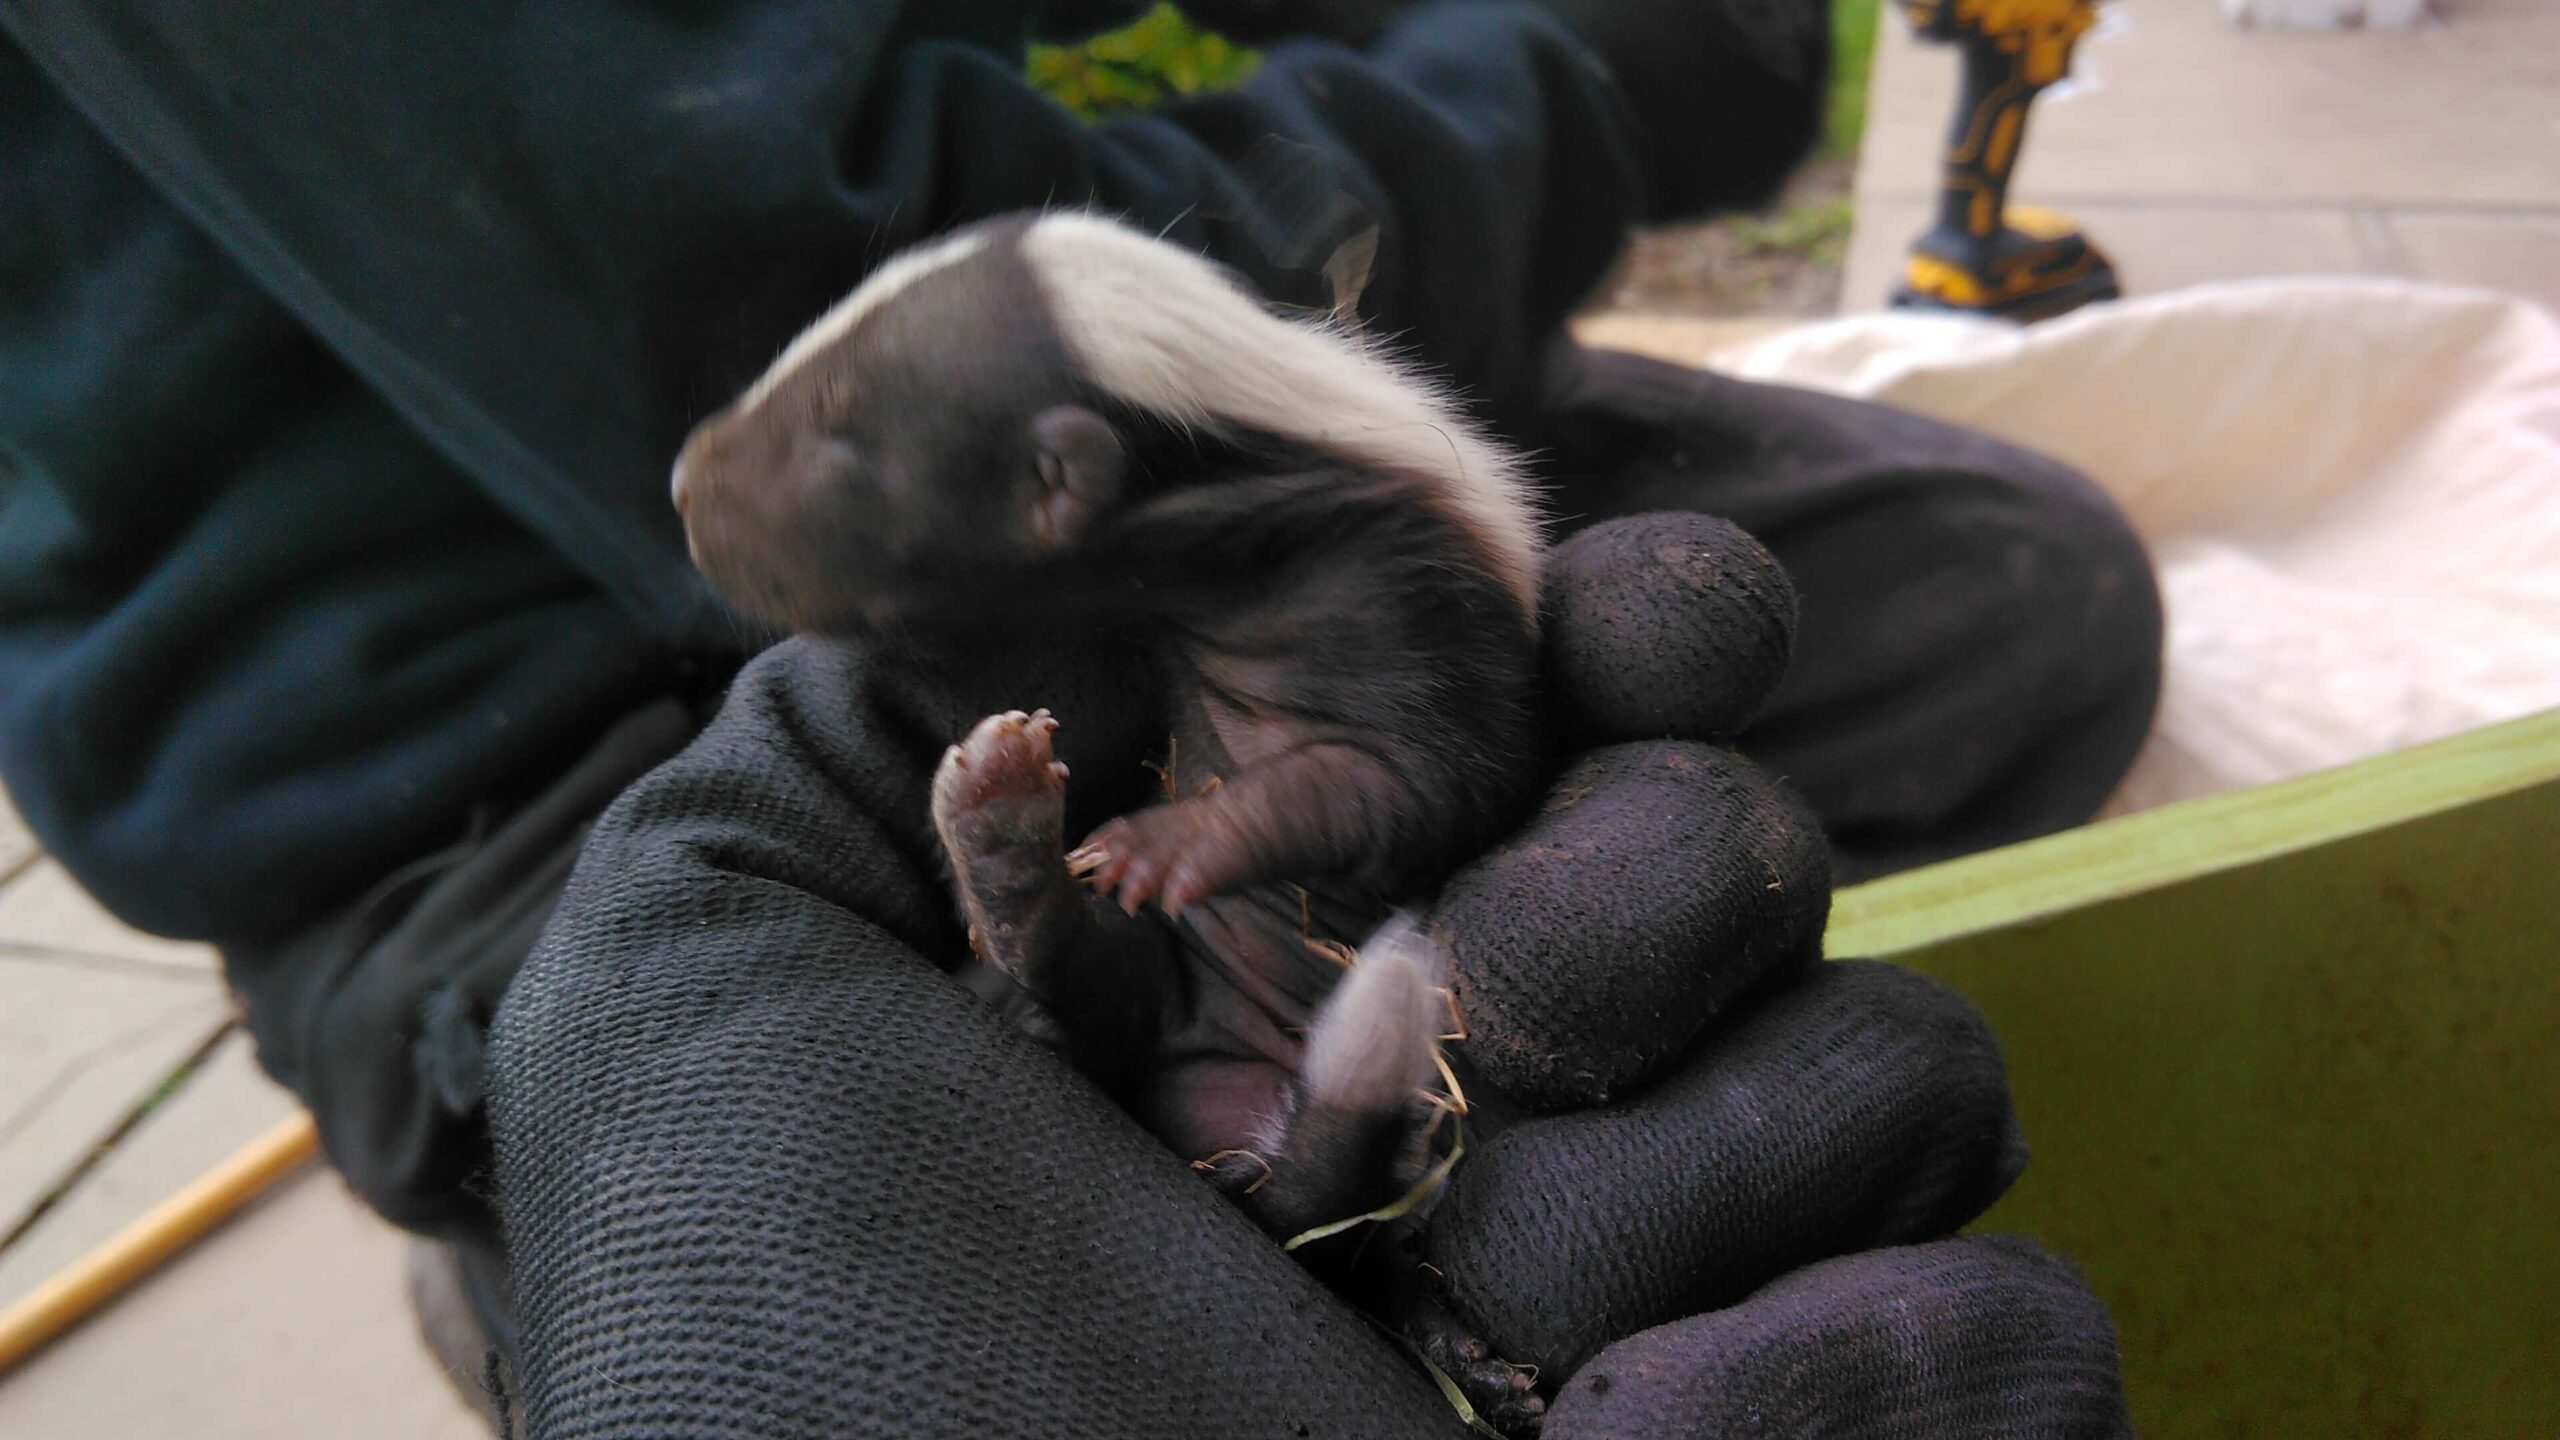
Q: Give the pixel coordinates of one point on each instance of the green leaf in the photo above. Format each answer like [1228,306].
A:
[1135,65]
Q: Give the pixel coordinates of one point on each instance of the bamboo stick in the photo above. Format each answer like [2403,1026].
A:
[143,1246]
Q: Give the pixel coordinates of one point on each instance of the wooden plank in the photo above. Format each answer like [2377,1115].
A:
[2293,1087]
[2178,843]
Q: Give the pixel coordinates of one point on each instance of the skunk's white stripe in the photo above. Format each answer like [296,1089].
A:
[899,272]
[1371,1045]
[1163,329]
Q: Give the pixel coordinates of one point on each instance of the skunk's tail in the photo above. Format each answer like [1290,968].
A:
[1349,1141]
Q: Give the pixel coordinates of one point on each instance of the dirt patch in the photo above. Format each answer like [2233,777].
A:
[1783,261]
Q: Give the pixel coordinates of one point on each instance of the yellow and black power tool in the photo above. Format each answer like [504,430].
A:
[1983,256]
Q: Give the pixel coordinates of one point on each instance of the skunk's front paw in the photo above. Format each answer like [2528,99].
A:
[999,802]
[1158,854]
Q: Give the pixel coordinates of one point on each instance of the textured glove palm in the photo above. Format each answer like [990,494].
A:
[766,1170]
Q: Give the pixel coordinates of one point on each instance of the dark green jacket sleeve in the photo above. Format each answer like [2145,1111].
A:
[339,379]
[553,235]
[343,349]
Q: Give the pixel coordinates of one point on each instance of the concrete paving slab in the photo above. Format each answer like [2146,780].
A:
[224,1105]
[80,1047]
[17,847]
[1878,241]
[292,1323]
[2517,254]
[45,909]
[2180,107]
[2155,247]
[1683,338]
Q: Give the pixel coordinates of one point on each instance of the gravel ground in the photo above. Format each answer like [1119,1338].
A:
[1785,261]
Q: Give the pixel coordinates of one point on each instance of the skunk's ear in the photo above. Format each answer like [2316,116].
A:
[1081,471]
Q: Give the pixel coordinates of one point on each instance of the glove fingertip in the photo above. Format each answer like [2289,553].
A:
[1972,1336]
[1670,625]
[1660,884]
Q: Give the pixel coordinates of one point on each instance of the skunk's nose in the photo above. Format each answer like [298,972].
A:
[679,489]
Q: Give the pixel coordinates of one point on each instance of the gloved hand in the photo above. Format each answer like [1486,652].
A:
[1641,963]
[765,1170]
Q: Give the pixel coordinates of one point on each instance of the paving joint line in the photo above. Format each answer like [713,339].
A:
[171,1084]
[72,958]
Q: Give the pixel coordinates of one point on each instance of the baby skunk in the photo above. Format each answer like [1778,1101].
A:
[1338,574]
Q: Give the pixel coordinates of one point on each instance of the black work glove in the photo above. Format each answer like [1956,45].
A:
[1640,962]
[766,1170]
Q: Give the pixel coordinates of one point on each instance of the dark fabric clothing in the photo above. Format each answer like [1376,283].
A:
[376,1015]
[1877,1114]
[769,1170]
[1572,1001]
[335,411]
[553,237]
[1978,655]
[1861,1348]
[1725,99]
[341,359]
[525,250]
[260,645]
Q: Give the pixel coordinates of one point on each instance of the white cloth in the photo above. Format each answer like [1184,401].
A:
[2352,488]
